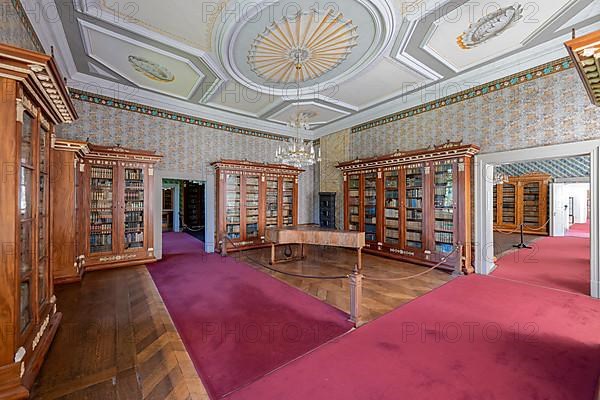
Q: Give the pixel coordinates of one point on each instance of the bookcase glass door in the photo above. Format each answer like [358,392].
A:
[414,177]
[443,204]
[43,226]
[509,196]
[288,201]
[232,205]
[252,202]
[531,204]
[392,236]
[134,208]
[272,202]
[354,202]
[102,186]
[27,174]
[370,198]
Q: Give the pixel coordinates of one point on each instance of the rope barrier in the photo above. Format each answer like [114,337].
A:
[443,260]
[541,227]
[200,228]
[507,233]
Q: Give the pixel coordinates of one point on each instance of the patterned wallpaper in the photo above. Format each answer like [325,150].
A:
[550,110]
[15,29]
[185,147]
[334,149]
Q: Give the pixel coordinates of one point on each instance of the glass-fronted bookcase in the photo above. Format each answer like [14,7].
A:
[252,197]
[523,200]
[116,206]
[414,205]
[34,101]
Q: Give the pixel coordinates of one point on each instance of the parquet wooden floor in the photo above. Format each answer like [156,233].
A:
[379,297]
[116,341]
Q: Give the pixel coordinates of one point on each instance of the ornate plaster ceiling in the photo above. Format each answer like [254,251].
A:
[234,60]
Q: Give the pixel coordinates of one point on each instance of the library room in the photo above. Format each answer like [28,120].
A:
[266,200]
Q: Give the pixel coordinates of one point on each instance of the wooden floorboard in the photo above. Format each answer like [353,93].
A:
[117,341]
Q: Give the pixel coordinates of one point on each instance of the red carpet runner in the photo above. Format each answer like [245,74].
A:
[474,338]
[555,262]
[237,323]
[580,230]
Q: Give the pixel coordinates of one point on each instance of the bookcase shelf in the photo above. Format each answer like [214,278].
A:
[252,197]
[413,206]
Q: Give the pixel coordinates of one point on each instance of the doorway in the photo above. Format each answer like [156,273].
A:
[486,205]
[183,208]
[540,221]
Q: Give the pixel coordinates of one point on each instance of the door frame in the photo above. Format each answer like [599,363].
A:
[209,207]
[484,176]
[176,200]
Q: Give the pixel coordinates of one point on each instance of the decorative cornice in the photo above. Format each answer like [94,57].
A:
[27,25]
[486,88]
[170,115]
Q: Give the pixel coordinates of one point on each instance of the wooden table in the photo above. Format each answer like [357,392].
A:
[313,235]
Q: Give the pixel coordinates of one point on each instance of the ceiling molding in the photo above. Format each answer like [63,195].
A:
[170,115]
[490,87]
[86,27]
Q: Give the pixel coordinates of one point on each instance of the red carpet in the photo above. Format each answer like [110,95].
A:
[237,323]
[475,338]
[555,262]
[579,230]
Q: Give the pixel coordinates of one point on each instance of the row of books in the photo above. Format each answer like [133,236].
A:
[417,193]
[413,203]
[444,225]
[391,233]
[413,236]
[444,213]
[391,213]
[444,237]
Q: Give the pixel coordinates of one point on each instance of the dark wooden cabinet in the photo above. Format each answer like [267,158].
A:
[34,101]
[414,206]
[523,200]
[252,197]
[66,255]
[327,209]
[116,207]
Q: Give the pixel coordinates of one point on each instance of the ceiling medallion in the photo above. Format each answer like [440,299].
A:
[151,70]
[489,26]
[319,40]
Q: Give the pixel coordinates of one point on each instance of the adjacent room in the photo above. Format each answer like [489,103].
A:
[244,200]
[542,222]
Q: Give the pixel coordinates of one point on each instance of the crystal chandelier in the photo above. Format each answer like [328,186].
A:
[296,151]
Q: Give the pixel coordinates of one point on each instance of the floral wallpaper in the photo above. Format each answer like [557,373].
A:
[185,147]
[549,110]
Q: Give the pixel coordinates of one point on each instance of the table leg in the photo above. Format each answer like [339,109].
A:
[359,264]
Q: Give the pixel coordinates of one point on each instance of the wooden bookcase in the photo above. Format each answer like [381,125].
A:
[66,255]
[252,197]
[116,207]
[414,206]
[523,200]
[34,101]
